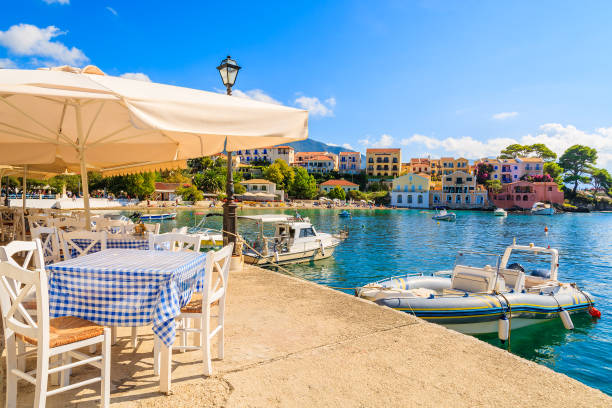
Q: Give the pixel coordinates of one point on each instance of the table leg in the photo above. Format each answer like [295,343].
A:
[165,375]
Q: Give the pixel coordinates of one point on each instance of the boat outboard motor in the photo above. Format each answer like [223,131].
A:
[516,266]
[541,273]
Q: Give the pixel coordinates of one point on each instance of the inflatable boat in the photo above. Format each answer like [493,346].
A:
[487,298]
[444,215]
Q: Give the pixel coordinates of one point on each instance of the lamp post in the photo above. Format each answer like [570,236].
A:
[229,70]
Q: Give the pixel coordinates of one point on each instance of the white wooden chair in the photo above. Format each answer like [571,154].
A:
[181,230]
[70,223]
[61,336]
[39,220]
[175,242]
[170,242]
[50,243]
[199,309]
[68,242]
[152,228]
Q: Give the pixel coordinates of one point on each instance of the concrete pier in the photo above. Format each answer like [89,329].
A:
[291,343]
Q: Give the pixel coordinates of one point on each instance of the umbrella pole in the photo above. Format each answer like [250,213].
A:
[23,200]
[229,208]
[85,182]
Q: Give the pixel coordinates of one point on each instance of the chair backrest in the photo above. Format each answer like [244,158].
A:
[471,279]
[175,242]
[50,243]
[23,254]
[16,283]
[79,243]
[217,269]
[152,228]
[39,220]
[69,223]
[514,279]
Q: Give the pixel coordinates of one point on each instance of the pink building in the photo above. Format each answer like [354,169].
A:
[350,162]
[524,194]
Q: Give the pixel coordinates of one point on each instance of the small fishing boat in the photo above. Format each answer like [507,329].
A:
[542,209]
[157,217]
[486,297]
[444,215]
[210,236]
[295,240]
[500,212]
[344,214]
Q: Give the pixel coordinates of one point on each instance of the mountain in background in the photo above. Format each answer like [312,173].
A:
[311,145]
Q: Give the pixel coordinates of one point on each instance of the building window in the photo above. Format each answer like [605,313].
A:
[449,198]
[495,167]
[518,198]
[254,188]
[495,176]
[420,199]
[549,188]
[370,160]
[525,198]
[436,198]
[479,200]
[458,199]
[467,199]
[399,198]
[409,196]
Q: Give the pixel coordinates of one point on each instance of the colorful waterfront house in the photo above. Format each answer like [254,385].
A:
[383,163]
[263,187]
[530,166]
[419,165]
[523,194]
[410,190]
[302,159]
[269,154]
[460,190]
[350,162]
[346,185]
[321,164]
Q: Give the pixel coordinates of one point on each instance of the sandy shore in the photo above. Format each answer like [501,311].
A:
[292,343]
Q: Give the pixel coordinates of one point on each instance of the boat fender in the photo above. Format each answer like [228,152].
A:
[511,290]
[431,296]
[466,294]
[541,293]
[503,328]
[594,312]
[276,256]
[523,291]
[566,319]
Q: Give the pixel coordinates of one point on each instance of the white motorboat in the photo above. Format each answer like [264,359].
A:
[489,295]
[295,240]
[444,215]
[542,209]
[500,212]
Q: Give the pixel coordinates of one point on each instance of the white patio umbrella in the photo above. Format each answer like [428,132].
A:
[86,117]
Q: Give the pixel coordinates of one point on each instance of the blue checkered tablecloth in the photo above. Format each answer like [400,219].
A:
[126,287]
[124,243]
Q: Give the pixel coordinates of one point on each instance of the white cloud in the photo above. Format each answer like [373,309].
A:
[255,94]
[315,107]
[57,1]
[29,40]
[7,63]
[332,144]
[348,146]
[385,140]
[554,135]
[138,76]
[112,10]
[504,115]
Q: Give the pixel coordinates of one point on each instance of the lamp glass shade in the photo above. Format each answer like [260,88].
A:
[228,70]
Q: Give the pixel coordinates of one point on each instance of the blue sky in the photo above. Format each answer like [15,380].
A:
[432,77]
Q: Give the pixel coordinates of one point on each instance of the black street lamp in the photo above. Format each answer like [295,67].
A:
[229,70]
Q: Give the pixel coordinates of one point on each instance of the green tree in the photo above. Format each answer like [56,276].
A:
[175,176]
[304,185]
[543,152]
[337,192]
[494,186]
[601,180]
[553,170]
[210,181]
[515,150]
[280,173]
[190,193]
[577,161]
[356,195]
[239,188]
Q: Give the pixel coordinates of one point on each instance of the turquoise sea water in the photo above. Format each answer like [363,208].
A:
[385,243]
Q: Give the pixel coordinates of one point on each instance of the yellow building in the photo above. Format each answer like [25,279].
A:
[410,190]
[383,163]
[448,165]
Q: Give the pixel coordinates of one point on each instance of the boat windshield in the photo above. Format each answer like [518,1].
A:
[531,262]
[477,259]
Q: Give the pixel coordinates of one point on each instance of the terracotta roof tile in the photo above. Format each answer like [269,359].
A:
[339,183]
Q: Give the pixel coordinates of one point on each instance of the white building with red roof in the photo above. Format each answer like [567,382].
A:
[347,186]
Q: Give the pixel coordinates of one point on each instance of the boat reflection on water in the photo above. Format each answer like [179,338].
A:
[539,342]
